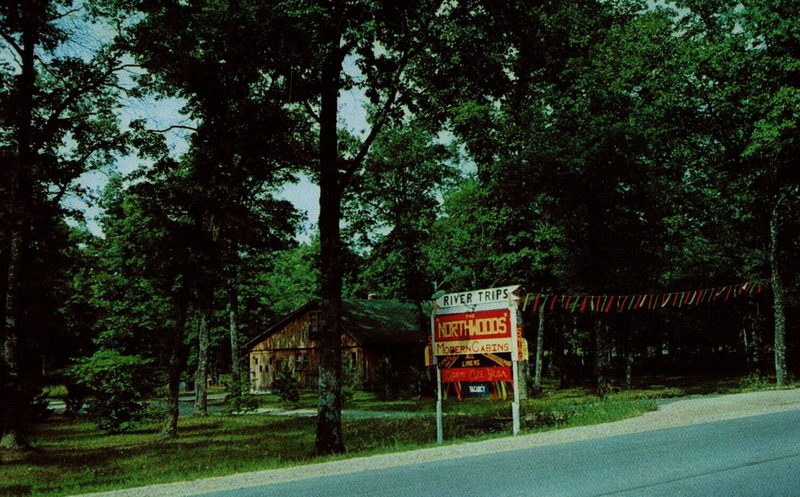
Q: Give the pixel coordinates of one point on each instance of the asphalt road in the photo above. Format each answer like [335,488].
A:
[752,456]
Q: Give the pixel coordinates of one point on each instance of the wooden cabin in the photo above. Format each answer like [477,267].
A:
[381,338]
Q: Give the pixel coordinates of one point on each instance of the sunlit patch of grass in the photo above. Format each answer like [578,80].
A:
[55,391]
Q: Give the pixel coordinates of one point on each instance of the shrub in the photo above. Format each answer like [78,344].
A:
[755,381]
[286,386]
[240,400]
[117,383]
[351,382]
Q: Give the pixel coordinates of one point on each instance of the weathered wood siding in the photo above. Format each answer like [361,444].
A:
[292,347]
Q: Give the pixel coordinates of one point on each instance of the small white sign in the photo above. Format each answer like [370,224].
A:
[475,297]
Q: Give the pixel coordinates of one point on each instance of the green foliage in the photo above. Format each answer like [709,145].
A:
[286,385]
[240,400]
[117,383]
[351,382]
[756,381]
[240,403]
[392,207]
[277,283]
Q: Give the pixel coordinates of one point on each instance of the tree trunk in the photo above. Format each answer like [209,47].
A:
[747,351]
[537,373]
[602,383]
[329,438]
[524,365]
[233,324]
[629,353]
[203,339]
[15,403]
[177,360]
[779,296]
[17,399]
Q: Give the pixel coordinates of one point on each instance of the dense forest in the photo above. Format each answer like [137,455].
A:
[603,148]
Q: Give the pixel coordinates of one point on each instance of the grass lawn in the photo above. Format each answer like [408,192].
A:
[72,456]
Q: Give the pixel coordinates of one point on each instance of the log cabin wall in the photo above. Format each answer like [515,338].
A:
[289,347]
[292,347]
[392,345]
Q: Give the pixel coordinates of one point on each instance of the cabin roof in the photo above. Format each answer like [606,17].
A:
[368,322]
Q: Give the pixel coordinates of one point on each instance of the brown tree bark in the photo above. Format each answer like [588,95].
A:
[177,361]
[13,415]
[779,297]
[201,373]
[233,325]
[329,438]
[601,365]
[537,375]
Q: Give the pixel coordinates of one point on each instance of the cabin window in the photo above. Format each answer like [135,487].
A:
[302,362]
[255,360]
[313,323]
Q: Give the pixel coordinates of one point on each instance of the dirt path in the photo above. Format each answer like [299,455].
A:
[671,413]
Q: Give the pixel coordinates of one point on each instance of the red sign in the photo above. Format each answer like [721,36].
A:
[473,325]
[481,332]
[477,375]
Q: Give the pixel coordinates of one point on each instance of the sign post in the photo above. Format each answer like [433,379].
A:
[476,322]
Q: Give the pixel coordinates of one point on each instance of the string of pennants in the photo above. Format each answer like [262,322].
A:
[649,301]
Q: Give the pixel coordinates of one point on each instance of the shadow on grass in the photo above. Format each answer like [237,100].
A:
[15,490]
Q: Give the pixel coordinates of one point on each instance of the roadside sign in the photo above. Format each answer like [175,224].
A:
[482,332]
[477,322]
[472,298]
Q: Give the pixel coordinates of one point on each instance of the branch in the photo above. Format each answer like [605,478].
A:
[76,92]
[65,14]
[170,128]
[354,164]
[310,110]
[105,144]
[62,189]
[11,41]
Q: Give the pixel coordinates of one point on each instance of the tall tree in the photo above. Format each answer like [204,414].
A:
[142,279]
[775,141]
[216,56]
[58,120]
[327,39]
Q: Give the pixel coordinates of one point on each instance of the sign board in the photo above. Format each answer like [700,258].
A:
[478,390]
[477,375]
[478,322]
[482,332]
[473,298]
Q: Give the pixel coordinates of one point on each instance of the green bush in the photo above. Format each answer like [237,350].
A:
[286,386]
[240,400]
[755,381]
[117,384]
[351,383]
